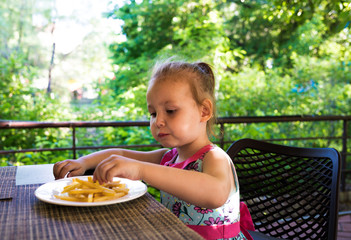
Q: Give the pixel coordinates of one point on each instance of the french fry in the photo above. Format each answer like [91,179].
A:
[113,184]
[109,192]
[118,190]
[85,191]
[90,197]
[89,191]
[71,186]
[69,198]
[104,198]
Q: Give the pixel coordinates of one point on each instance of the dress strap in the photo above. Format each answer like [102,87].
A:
[168,159]
[234,176]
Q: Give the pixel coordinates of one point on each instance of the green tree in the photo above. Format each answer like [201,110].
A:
[19,66]
[273,29]
[156,29]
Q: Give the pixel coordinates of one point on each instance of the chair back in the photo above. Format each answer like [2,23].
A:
[291,192]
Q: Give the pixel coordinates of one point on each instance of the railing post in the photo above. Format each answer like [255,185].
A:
[343,155]
[222,135]
[74,142]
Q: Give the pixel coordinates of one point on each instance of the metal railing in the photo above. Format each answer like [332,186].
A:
[222,122]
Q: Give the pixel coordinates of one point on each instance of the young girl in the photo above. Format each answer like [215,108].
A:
[197,180]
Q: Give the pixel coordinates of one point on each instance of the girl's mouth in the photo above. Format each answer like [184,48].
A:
[161,135]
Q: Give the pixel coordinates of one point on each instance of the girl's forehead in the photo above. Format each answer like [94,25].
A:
[161,90]
[174,82]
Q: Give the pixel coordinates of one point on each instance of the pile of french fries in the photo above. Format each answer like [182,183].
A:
[89,191]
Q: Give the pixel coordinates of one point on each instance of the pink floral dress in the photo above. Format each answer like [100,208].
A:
[219,223]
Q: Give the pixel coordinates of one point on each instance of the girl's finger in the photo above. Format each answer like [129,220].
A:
[103,168]
[76,172]
[59,170]
[99,173]
[107,172]
[96,175]
[111,172]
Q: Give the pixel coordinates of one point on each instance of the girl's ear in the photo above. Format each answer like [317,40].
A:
[206,110]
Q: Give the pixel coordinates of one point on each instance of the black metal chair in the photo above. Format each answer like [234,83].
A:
[291,192]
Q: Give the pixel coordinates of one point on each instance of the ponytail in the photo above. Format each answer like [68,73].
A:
[207,70]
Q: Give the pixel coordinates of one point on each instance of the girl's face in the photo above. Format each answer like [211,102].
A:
[175,116]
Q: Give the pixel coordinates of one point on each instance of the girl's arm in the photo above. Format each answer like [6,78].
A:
[79,166]
[209,188]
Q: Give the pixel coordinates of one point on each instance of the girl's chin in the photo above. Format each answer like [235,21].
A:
[167,144]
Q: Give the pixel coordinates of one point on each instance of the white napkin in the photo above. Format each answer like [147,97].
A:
[34,174]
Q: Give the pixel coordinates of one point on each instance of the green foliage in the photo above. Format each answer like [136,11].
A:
[271,58]
[19,99]
[155,29]
[275,29]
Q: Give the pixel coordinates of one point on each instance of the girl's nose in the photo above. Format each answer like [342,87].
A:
[160,121]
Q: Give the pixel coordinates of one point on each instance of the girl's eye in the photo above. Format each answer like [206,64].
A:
[153,114]
[170,111]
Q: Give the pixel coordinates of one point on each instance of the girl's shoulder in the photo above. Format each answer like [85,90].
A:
[217,156]
[217,153]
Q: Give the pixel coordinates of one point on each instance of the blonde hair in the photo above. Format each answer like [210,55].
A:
[202,85]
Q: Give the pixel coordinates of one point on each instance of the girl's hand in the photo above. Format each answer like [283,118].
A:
[117,166]
[72,167]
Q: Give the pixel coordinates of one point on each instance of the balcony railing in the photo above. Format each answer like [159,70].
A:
[223,124]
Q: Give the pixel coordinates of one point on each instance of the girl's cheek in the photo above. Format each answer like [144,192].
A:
[152,123]
[153,129]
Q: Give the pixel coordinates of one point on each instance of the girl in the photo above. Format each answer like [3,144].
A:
[197,180]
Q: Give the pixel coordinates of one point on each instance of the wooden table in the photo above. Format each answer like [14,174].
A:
[23,216]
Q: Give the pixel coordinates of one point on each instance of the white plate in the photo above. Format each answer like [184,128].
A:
[47,191]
